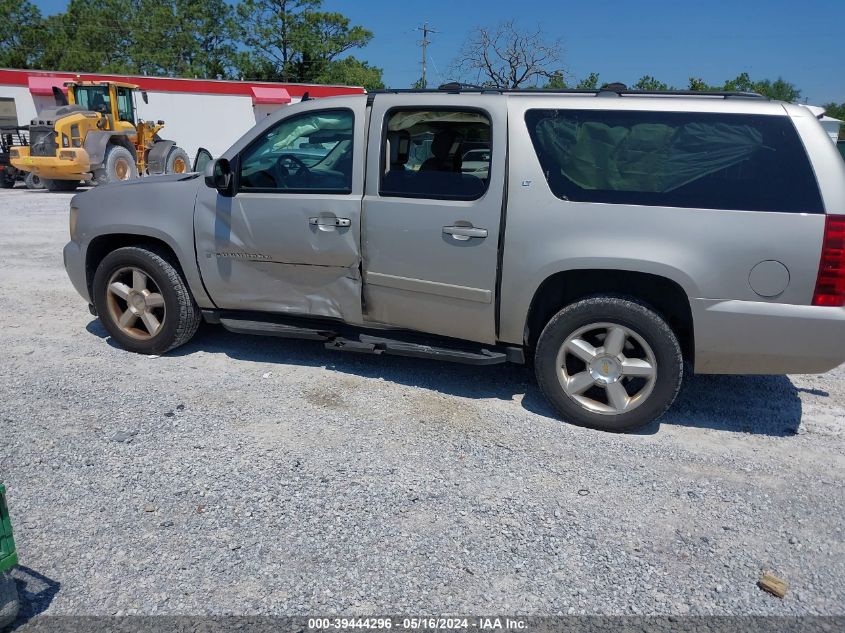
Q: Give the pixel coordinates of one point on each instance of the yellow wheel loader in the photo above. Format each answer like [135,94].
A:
[94,135]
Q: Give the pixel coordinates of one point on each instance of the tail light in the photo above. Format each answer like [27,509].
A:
[830,284]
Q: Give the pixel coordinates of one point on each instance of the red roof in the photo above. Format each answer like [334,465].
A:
[172,84]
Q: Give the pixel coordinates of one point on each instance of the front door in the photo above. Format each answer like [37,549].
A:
[432,211]
[289,240]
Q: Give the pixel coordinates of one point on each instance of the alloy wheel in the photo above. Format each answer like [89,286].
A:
[606,368]
[135,303]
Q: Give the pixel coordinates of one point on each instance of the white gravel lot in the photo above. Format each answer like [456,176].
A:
[246,475]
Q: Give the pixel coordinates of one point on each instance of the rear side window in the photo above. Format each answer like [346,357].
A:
[437,154]
[675,159]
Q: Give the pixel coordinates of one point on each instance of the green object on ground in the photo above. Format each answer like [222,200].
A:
[8,555]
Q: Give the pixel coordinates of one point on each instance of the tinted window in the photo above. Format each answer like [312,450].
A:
[430,154]
[675,159]
[308,153]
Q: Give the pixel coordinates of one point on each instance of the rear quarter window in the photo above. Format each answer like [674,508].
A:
[675,159]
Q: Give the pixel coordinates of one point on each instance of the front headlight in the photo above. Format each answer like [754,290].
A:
[74,212]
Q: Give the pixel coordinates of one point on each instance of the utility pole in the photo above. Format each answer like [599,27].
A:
[425,42]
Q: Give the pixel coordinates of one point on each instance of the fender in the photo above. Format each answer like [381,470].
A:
[96,143]
[157,157]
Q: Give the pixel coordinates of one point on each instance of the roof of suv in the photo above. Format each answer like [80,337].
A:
[613,90]
[613,97]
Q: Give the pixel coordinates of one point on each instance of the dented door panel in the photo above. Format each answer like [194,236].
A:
[293,253]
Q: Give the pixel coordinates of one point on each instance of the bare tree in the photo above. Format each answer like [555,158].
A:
[507,57]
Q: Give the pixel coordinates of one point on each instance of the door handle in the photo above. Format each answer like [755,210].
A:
[321,221]
[464,233]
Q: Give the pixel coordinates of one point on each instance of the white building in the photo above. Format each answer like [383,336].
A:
[831,126]
[197,112]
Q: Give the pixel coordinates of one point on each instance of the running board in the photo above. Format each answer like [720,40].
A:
[377,345]
[275,329]
[367,344]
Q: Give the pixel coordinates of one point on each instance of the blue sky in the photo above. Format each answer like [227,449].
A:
[803,42]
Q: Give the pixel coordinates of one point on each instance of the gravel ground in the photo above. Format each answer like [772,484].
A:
[260,476]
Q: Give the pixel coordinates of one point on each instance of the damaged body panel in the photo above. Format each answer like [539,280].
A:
[264,254]
[290,240]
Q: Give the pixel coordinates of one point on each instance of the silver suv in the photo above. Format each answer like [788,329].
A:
[611,239]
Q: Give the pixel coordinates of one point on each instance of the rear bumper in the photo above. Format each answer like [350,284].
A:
[750,337]
[74,260]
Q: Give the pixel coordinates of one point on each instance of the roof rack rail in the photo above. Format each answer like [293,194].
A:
[610,90]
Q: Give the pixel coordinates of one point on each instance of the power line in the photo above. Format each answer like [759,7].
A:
[424,43]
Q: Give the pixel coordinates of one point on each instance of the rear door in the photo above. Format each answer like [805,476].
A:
[289,240]
[430,230]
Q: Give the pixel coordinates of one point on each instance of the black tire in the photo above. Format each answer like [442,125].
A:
[60,185]
[33,181]
[118,165]
[638,319]
[178,161]
[6,181]
[181,317]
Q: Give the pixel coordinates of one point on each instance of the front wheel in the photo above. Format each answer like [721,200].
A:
[609,363]
[143,301]
[118,165]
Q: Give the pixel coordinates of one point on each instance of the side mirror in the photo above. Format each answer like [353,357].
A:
[144,96]
[218,175]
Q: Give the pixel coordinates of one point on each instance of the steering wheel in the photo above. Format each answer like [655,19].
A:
[302,167]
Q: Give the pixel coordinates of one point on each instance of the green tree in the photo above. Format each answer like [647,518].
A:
[835,110]
[91,35]
[647,82]
[293,40]
[590,82]
[778,89]
[351,72]
[187,38]
[699,85]
[556,82]
[21,34]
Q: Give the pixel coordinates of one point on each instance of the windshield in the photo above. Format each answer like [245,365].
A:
[94,98]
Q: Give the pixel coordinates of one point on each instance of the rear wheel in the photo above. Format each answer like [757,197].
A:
[609,363]
[33,181]
[143,301]
[60,185]
[118,165]
[6,181]
[178,161]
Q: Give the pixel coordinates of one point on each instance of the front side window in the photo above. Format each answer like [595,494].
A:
[307,153]
[675,159]
[440,154]
[124,105]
